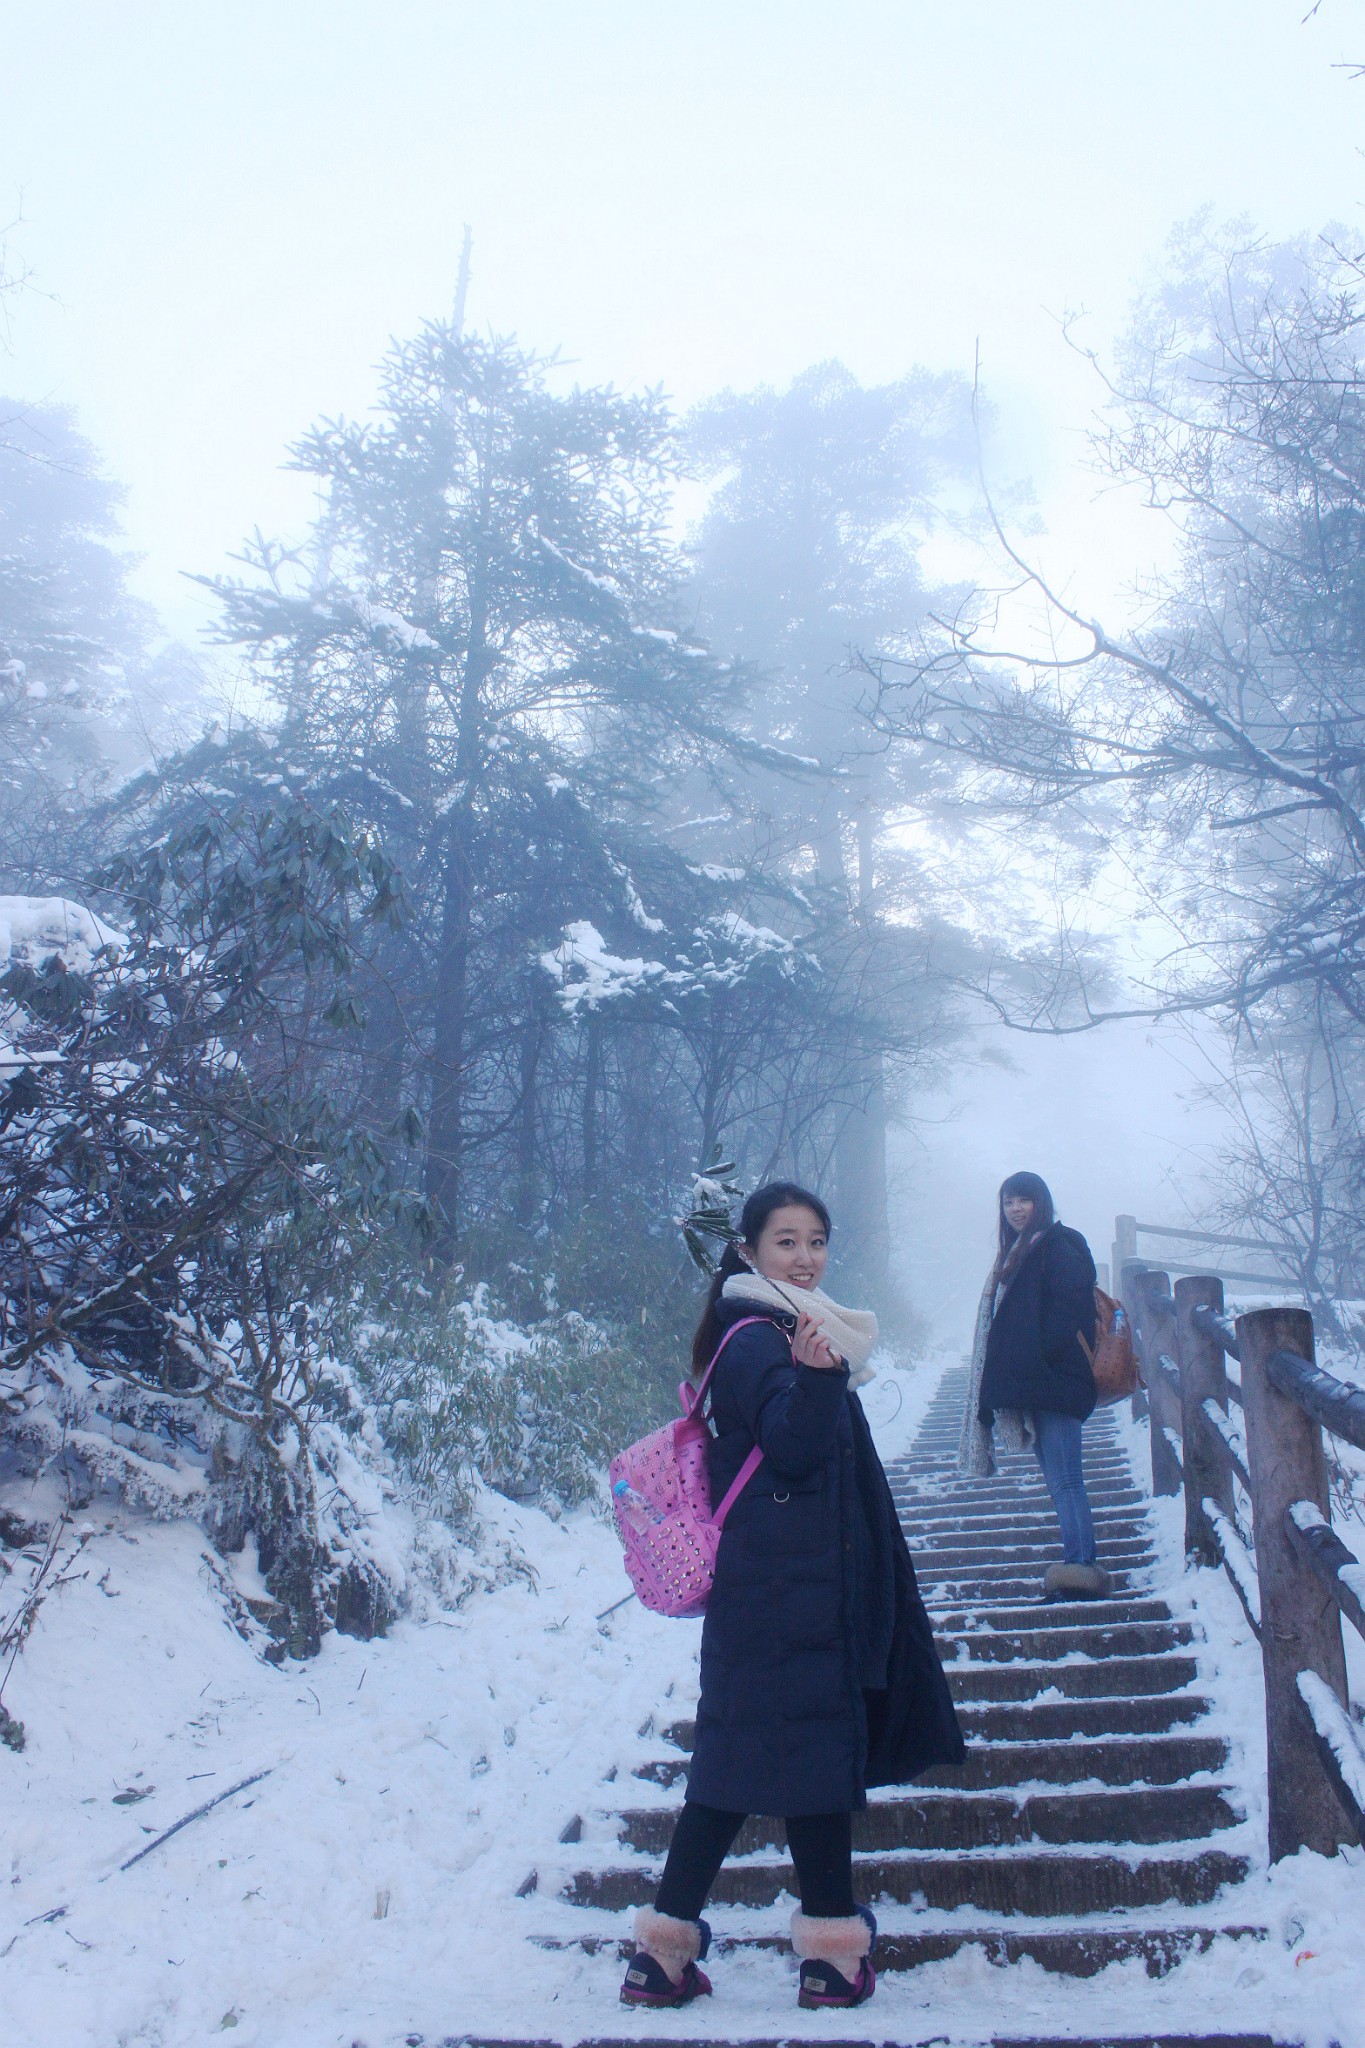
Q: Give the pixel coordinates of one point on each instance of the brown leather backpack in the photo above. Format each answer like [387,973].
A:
[1113,1360]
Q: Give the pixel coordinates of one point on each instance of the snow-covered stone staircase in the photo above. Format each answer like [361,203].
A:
[1092,1823]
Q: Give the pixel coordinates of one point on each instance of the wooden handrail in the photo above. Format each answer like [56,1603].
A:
[1243,1244]
[1331,1402]
[1302,1579]
[1328,1556]
[1209,1323]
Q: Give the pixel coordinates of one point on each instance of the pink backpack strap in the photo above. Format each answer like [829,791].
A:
[742,1478]
[755,1457]
[705,1380]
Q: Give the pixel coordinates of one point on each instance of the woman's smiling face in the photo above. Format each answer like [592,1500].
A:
[793,1247]
[1018,1210]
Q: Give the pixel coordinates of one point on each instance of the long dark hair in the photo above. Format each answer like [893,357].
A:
[1034,1189]
[774,1194]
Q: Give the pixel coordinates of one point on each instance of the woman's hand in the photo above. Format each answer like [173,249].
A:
[810,1346]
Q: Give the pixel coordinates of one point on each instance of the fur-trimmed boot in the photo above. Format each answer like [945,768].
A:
[836,1958]
[663,1969]
[1076,1582]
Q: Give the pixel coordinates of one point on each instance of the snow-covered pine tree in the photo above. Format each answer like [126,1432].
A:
[481,644]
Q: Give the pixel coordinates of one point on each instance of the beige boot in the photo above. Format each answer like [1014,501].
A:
[835,1958]
[663,1971]
[1076,1582]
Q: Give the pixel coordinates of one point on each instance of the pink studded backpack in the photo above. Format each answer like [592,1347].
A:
[661,1496]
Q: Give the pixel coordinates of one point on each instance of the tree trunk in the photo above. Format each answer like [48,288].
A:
[591,1077]
[860,1178]
[445,1142]
[860,1147]
[532,1039]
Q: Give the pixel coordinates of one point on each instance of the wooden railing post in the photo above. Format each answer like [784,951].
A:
[1203,1377]
[1125,1246]
[1126,1254]
[1300,1622]
[1147,1295]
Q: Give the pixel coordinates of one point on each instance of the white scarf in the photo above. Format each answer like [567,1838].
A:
[852,1332]
[1013,1429]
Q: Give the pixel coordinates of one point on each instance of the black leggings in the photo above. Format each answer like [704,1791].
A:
[821,1847]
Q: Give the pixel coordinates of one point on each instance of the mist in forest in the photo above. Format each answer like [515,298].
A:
[597,606]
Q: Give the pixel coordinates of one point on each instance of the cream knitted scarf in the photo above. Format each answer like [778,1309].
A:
[1013,1429]
[852,1332]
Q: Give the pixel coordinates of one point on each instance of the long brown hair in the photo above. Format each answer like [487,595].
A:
[775,1194]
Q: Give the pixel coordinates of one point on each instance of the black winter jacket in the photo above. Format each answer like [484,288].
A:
[1033,1350]
[819,1675]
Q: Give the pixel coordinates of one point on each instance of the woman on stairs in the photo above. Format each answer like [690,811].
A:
[819,1675]
[1031,1385]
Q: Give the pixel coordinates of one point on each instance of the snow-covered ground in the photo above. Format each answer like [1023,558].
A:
[365,1890]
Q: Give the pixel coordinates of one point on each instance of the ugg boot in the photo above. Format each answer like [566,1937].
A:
[1076,1582]
[836,1958]
[663,1969]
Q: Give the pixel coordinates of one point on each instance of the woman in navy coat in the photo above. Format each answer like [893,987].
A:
[819,1675]
[1031,1383]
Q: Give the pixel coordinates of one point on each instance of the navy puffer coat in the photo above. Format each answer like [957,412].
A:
[819,1675]
[1034,1357]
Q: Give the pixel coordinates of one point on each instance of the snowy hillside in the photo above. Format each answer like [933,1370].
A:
[365,1888]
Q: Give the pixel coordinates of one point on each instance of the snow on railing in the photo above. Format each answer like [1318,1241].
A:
[1241,1565]
[1231,1436]
[1339,1569]
[1300,1581]
[1336,1728]
[1330,1402]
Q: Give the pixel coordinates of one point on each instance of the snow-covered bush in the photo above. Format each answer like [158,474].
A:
[465,1397]
[180,1195]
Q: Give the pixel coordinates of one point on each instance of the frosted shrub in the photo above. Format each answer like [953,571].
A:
[179,1196]
[466,1397]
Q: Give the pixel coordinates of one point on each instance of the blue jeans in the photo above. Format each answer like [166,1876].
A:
[1059,1453]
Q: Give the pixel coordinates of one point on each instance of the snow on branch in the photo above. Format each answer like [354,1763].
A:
[605,977]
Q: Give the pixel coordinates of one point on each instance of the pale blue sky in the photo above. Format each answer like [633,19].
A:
[235,204]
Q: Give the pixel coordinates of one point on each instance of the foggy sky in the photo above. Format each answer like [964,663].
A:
[234,207]
[230,210]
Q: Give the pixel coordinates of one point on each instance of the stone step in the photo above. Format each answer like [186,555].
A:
[1130,1553]
[1060,1720]
[953,1589]
[909,1500]
[1114,1639]
[942,1516]
[955,1820]
[1037,1884]
[998,1584]
[945,1429]
[1115,1760]
[1106,1678]
[934,1475]
[1034,1720]
[942,1444]
[937,1565]
[1055,1614]
[1020,1473]
[1022,1534]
